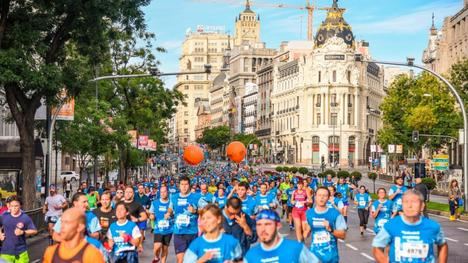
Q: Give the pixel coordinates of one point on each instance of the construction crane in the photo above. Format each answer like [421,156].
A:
[310,8]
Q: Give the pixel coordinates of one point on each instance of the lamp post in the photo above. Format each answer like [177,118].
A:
[410,63]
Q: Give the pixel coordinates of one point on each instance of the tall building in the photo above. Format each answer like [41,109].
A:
[263,127]
[247,56]
[204,46]
[326,103]
[203,116]
[448,45]
[249,108]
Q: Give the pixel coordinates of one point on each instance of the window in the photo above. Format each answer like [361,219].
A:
[350,100]
[320,76]
[349,118]
[333,118]
[185,113]
[185,140]
[186,122]
[199,59]
[319,99]
[349,76]
[185,130]
[198,87]
[334,75]
[318,119]
[186,87]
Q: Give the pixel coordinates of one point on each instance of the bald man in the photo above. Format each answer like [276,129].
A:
[73,246]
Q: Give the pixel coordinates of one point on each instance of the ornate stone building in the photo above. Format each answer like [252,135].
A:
[331,111]
[448,45]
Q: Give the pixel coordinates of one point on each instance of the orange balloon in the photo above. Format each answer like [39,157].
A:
[236,151]
[193,154]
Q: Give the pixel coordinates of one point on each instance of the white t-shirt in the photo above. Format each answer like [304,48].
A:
[52,202]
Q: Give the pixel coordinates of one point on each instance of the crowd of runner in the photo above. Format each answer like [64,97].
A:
[218,213]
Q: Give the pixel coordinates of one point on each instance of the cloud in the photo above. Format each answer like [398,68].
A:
[416,21]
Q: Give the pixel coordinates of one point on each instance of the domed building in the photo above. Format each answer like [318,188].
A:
[326,103]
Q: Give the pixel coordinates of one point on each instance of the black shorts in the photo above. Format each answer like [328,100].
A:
[284,202]
[182,242]
[164,239]
[52,219]
[290,208]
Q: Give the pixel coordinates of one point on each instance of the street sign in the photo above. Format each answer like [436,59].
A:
[440,162]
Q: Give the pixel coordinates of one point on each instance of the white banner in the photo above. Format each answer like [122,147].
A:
[391,148]
[373,148]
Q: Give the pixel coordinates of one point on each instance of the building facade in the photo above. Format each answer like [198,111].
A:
[264,113]
[448,45]
[326,103]
[199,48]
[203,116]
[249,108]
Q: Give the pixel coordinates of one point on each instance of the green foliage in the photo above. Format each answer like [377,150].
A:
[303,170]
[357,175]
[279,169]
[458,76]
[247,139]
[329,172]
[321,175]
[342,174]
[216,137]
[429,182]
[372,176]
[286,169]
[421,103]
[293,169]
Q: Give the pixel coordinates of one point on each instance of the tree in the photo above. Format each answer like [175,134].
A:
[357,175]
[342,174]
[329,172]
[303,170]
[458,77]
[279,169]
[293,169]
[373,177]
[421,103]
[247,139]
[215,137]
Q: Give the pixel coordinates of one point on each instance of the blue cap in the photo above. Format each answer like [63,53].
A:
[269,214]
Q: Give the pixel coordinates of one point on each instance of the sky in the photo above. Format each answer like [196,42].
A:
[395,29]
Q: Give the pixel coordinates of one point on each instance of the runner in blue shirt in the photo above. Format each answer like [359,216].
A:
[342,187]
[328,182]
[264,200]
[290,206]
[184,207]
[363,201]
[327,225]
[164,223]
[381,210]
[395,193]
[411,237]
[124,236]
[220,198]
[335,200]
[273,247]
[213,246]
[205,196]
[248,203]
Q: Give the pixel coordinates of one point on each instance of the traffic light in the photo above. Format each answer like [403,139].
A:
[415,136]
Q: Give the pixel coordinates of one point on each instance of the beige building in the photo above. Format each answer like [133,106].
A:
[218,103]
[203,116]
[325,104]
[448,45]
[247,27]
[205,46]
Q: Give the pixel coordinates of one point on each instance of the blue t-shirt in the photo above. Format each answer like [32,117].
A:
[363,200]
[324,244]
[92,223]
[162,226]
[343,189]
[225,248]
[397,200]
[248,206]
[290,192]
[13,244]
[336,202]
[185,221]
[263,202]
[314,183]
[285,251]
[410,242]
[327,183]
[115,231]
[220,200]
[172,189]
[384,215]
[205,199]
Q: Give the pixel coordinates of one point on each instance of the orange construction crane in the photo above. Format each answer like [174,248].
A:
[310,8]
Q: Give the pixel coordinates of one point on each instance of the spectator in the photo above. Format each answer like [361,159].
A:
[239,224]
[422,188]
[16,226]
[73,246]
[454,190]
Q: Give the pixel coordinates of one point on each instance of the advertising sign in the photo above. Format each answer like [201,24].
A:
[440,162]
[399,148]
[391,148]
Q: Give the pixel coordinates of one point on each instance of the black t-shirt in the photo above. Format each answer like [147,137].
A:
[134,209]
[105,218]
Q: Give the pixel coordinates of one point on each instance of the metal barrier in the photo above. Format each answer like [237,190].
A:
[37,217]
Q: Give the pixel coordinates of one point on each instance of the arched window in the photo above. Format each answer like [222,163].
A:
[316,150]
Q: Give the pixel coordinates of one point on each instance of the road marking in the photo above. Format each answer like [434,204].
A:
[466,244]
[352,247]
[342,241]
[444,217]
[450,239]
[367,256]
[461,228]
[36,261]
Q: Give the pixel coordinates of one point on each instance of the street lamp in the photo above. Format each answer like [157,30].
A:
[410,63]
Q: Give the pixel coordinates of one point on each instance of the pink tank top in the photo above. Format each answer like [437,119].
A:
[301,199]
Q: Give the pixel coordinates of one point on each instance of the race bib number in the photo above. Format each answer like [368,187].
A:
[183,220]
[414,250]
[162,209]
[162,224]
[382,222]
[362,203]
[321,237]
[299,205]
